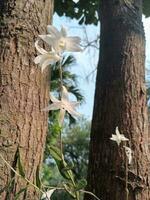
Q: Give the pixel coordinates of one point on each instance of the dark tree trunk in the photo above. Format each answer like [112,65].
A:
[24,92]
[120,100]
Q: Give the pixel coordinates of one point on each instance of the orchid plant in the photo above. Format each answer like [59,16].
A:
[58,43]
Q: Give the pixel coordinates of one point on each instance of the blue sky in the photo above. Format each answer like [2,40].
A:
[87,60]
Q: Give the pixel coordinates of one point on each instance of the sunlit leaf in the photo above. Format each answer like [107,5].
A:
[38,181]
[69,190]
[81,184]
[55,153]
[20,167]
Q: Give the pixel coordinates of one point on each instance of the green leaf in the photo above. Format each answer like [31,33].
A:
[55,153]
[81,184]
[146,8]
[20,167]
[61,164]
[68,167]
[19,193]
[38,181]
[70,190]
[55,133]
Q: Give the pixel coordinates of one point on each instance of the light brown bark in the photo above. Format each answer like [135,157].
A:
[120,100]
[24,91]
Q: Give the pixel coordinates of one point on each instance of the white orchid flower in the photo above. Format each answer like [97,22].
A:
[128,152]
[118,137]
[59,40]
[47,195]
[64,105]
[46,58]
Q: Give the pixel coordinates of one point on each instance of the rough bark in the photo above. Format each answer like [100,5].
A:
[24,92]
[120,100]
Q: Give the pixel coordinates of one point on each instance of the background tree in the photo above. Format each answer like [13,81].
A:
[120,100]
[24,92]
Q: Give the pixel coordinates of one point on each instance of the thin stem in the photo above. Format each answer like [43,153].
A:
[62,117]
[61,75]
[126,177]
[87,192]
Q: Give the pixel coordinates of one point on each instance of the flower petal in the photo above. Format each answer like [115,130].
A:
[53,99]
[53,106]
[117,131]
[73,113]
[47,195]
[72,44]
[49,58]
[61,116]
[38,59]
[41,58]
[74,104]
[75,40]
[48,39]
[53,31]
[123,138]
[64,95]
[46,63]
[39,49]
[63,31]
[128,152]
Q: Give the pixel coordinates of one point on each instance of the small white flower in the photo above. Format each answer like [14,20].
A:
[118,137]
[47,195]
[76,1]
[59,40]
[128,152]
[64,105]
[46,58]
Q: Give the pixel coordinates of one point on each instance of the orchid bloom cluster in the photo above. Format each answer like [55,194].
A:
[59,42]
[118,138]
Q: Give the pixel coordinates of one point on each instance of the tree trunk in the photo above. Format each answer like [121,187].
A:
[24,92]
[120,100]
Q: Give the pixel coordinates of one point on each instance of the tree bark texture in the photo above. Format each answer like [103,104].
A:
[120,100]
[24,91]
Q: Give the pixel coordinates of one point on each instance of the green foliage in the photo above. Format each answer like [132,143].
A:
[73,168]
[76,145]
[86,11]
[146,8]
[81,184]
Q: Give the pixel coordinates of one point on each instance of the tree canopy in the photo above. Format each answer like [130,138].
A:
[86,11]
